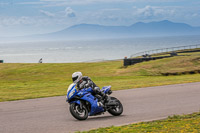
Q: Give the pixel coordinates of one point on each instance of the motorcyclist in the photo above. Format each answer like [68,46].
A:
[86,82]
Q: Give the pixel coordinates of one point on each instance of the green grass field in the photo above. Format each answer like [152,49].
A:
[176,124]
[25,81]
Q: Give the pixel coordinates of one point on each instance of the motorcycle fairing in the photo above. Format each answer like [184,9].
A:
[69,91]
[85,96]
[93,102]
[105,89]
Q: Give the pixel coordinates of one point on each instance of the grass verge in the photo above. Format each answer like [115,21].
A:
[175,124]
[26,81]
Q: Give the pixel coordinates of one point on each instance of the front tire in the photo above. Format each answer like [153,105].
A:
[77,112]
[116,110]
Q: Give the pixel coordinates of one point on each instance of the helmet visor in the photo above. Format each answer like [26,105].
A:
[75,78]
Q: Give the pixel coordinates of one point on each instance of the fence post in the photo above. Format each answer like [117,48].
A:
[126,62]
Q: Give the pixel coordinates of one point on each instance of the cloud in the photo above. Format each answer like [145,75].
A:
[57,3]
[128,16]
[108,1]
[152,12]
[69,12]
[49,14]
[3,4]
[28,21]
[147,11]
[11,21]
[87,2]
[31,3]
[62,13]
[195,15]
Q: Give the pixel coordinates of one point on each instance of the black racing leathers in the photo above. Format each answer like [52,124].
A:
[86,82]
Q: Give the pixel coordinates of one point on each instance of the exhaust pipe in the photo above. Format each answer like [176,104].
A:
[111,104]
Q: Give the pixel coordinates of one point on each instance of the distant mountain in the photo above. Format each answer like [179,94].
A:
[164,28]
[140,29]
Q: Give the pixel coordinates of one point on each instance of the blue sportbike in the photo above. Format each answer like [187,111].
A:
[84,104]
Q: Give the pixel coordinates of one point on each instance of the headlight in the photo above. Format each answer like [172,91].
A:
[71,93]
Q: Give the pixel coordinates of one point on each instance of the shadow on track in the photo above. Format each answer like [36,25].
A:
[100,118]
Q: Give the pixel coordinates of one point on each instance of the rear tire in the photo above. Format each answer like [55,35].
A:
[77,112]
[116,110]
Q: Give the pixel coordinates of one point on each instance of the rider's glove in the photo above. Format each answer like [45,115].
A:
[97,90]
[86,86]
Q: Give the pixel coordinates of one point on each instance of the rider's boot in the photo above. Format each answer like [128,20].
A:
[100,104]
[100,100]
[101,94]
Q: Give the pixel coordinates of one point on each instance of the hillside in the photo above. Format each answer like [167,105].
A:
[25,81]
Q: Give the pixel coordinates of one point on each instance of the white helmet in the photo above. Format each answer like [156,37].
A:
[76,77]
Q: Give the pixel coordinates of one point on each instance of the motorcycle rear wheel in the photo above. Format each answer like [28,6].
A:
[77,112]
[116,110]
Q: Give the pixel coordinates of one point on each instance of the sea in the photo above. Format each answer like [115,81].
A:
[87,50]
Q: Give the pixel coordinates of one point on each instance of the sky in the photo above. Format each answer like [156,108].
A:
[26,17]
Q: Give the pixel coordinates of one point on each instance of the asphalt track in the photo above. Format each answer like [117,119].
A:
[51,115]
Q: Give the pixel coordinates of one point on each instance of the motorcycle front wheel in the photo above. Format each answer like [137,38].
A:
[77,112]
[116,110]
